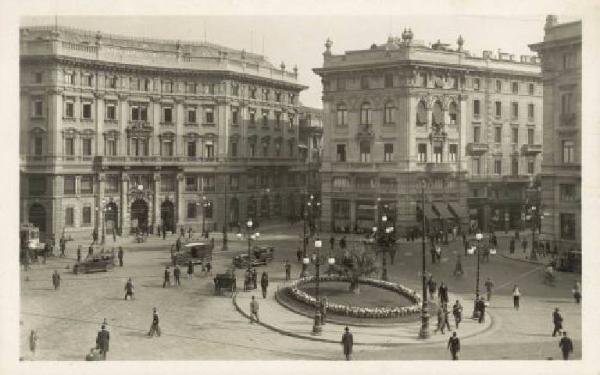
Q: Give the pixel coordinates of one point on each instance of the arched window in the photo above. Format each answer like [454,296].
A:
[388,113]
[421,113]
[437,113]
[365,114]
[342,114]
[453,112]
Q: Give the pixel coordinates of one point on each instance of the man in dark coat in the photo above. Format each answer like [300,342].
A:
[63,246]
[176,275]
[331,242]
[129,289]
[481,309]
[78,253]
[154,328]
[264,283]
[190,269]
[566,346]
[178,244]
[347,342]
[557,320]
[102,341]
[120,255]
[288,270]
[254,278]
[431,284]
[443,293]
[454,346]
[457,312]
[56,280]
[167,277]
[512,245]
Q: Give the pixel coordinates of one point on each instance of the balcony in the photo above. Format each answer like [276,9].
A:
[477,148]
[568,119]
[531,149]
[438,167]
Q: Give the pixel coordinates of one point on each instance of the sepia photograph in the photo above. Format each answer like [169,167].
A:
[299,187]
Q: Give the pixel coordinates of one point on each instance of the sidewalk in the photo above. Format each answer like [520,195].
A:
[280,319]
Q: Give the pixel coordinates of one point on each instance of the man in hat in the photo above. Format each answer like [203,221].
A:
[454,346]
[264,283]
[253,310]
[167,277]
[129,289]
[102,341]
[566,346]
[347,342]
[120,256]
[288,270]
[489,285]
[154,328]
[176,274]
[557,319]
[56,280]
[457,312]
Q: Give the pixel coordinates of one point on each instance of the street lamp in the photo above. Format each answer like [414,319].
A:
[478,237]
[249,224]
[306,217]
[534,217]
[316,258]
[424,331]
[225,216]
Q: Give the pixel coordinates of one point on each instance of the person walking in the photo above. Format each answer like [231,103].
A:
[33,341]
[208,268]
[190,269]
[454,346]
[299,254]
[167,277]
[347,343]
[489,285]
[457,312]
[264,283]
[120,256]
[577,292]
[288,271]
[154,327]
[443,293]
[433,255]
[431,284]
[56,280]
[178,244]
[566,346]
[78,253]
[331,243]
[94,236]
[557,319]
[458,269]
[512,246]
[441,320]
[343,243]
[176,275]
[254,278]
[253,310]
[481,308]
[102,340]
[129,289]
[516,297]
[63,246]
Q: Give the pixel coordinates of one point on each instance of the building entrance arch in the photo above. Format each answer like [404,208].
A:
[139,215]
[37,217]
[167,215]
[111,217]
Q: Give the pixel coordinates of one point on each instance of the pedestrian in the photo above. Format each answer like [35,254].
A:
[254,278]
[63,246]
[458,269]
[129,289]
[441,320]
[557,319]
[323,309]
[454,346]
[114,234]
[182,231]
[489,285]
[299,255]
[481,309]
[154,327]
[33,341]
[253,310]
[512,246]
[247,280]
[190,269]
[56,280]
[438,253]
[347,343]
[102,340]
[331,242]
[176,274]
[457,312]
[433,255]
[90,251]
[120,255]
[566,346]
[264,283]
[208,268]
[524,245]
[431,284]
[167,277]
[78,253]
[343,243]
[94,236]
[190,233]
[516,297]
[178,244]
[443,293]
[288,270]
[577,292]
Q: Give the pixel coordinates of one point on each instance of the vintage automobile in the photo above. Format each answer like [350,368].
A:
[261,256]
[225,281]
[197,252]
[95,263]
[265,253]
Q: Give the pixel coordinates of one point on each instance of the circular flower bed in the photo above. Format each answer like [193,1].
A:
[358,311]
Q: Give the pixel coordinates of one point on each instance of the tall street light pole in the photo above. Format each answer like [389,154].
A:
[534,220]
[225,216]
[478,237]
[317,329]
[424,331]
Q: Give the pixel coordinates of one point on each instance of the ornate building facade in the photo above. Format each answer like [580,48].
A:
[125,133]
[561,168]
[404,120]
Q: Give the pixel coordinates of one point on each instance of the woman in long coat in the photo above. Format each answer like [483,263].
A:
[347,342]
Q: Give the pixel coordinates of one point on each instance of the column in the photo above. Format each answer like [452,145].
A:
[156,219]
[124,209]
[99,124]
[123,123]
[180,213]
[352,215]
[99,203]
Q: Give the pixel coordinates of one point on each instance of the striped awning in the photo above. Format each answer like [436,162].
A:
[442,208]
[458,210]
[429,213]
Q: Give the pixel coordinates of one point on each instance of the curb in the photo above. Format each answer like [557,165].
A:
[522,260]
[312,338]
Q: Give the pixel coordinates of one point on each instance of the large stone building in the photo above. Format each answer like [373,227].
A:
[401,113]
[561,167]
[126,132]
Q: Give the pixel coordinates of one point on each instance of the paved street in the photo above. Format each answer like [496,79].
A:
[197,325]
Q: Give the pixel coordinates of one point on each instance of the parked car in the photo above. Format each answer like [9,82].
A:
[95,263]
[197,252]
[244,261]
[225,281]
[264,252]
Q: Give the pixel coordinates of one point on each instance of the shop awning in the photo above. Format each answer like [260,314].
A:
[429,213]
[459,211]
[442,208]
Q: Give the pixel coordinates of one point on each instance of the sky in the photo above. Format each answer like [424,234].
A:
[299,40]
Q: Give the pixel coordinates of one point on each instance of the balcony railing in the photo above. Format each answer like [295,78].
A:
[438,167]
[531,149]
[477,148]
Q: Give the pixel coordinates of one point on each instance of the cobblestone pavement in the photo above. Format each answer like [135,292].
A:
[197,325]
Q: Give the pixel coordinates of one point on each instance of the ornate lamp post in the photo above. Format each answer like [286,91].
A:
[306,213]
[534,220]
[316,258]
[205,205]
[424,331]
[249,224]
[478,237]
[225,217]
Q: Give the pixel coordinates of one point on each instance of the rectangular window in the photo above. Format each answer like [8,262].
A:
[168,182]
[265,118]
[190,88]
[234,149]
[566,106]
[476,108]
[498,166]
[111,147]
[210,89]
[167,86]
[476,134]
[531,89]
[498,109]
[568,151]
[514,167]
[530,111]
[191,115]
[167,147]
[86,215]
[530,135]
[567,226]
[168,115]
[139,113]
[38,108]
[87,184]
[277,120]
[38,145]
[88,80]
[422,152]
[364,82]
[69,109]
[365,151]
[191,148]
[498,85]
[234,182]
[438,153]
[342,114]
[277,148]
[69,216]
[69,78]
[568,192]
[69,185]
[86,144]
[37,185]
[38,77]
[112,183]
[388,152]
[265,94]
[209,151]
[252,113]
[389,81]
[69,146]
[253,93]
[191,183]
[341,182]
[209,115]
[515,135]
[476,166]
[111,82]
[453,152]
[388,114]
[191,210]
[208,183]
[530,167]
[476,84]
[252,149]
[111,111]
[235,112]
[515,87]
[515,110]
[235,89]
[86,111]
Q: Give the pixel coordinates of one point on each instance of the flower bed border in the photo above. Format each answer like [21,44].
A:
[357,311]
